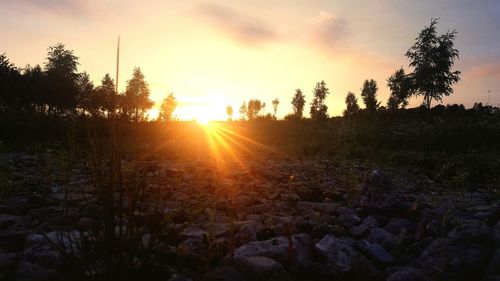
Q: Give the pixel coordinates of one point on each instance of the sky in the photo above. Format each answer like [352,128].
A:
[212,54]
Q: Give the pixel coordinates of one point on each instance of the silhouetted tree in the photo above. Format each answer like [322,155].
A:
[369,95]
[85,93]
[433,56]
[136,100]
[400,85]
[243,111]
[351,103]
[35,88]
[276,102]
[298,103]
[318,106]
[167,108]
[254,107]
[229,112]
[61,70]
[9,78]
[103,101]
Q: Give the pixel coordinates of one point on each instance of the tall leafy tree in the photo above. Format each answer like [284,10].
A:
[136,100]
[254,107]
[229,112]
[351,103]
[276,102]
[400,85]
[85,89]
[243,111]
[103,100]
[298,103]
[167,108]
[61,70]
[369,95]
[35,87]
[9,77]
[433,57]
[318,106]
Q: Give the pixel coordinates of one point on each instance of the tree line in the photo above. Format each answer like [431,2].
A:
[58,89]
[432,57]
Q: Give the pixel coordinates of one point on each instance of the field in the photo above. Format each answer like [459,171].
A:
[352,199]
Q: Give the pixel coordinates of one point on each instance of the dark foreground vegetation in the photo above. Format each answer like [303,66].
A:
[377,197]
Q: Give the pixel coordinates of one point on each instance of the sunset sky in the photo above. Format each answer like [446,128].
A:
[211,54]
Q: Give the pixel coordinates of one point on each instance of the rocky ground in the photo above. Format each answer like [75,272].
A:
[263,220]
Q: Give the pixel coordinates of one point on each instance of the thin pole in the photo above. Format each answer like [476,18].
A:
[117,63]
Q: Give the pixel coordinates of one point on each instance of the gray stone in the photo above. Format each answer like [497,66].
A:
[7,220]
[365,227]
[376,252]
[262,268]
[382,237]
[408,274]
[395,226]
[339,252]
[248,232]
[224,273]
[494,264]
[32,272]
[309,207]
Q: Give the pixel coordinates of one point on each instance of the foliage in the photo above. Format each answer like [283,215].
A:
[298,103]
[400,85]
[318,107]
[253,109]
[276,102]
[61,70]
[369,95]
[229,112]
[167,108]
[243,111]
[352,106]
[136,100]
[433,57]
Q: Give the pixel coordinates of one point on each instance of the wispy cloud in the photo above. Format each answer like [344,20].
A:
[486,69]
[57,7]
[241,27]
[329,31]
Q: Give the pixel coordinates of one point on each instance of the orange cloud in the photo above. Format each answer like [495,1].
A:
[241,27]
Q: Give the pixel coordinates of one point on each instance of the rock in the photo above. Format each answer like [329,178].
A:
[408,274]
[378,179]
[376,252]
[279,249]
[339,252]
[8,265]
[224,273]
[192,253]
[348,217]
[365,227]
[494,264]
[495,234]
[395,226]
[248,232]
[193,232]
[453,258]
[265,234]
[32,272]
[176,277]
[382,237]
[310,207]
[320,230]
[7,220]
[262,268]
[217,229]
[471,230]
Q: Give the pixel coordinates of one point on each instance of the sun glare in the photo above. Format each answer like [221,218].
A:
[204,120]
